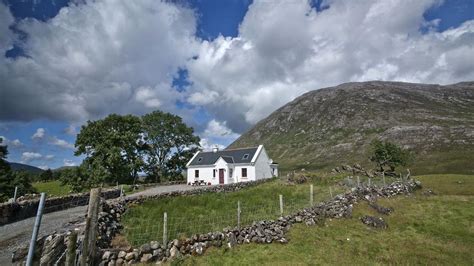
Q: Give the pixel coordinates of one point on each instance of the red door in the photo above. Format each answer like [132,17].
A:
[221,176]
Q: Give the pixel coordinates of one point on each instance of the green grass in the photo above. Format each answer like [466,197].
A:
[52,188]
[188,215]
[423,229]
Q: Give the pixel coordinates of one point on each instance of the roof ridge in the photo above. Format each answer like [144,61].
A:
[240,148]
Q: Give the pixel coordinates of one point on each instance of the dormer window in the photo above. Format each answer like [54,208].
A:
[199,159]
[246,156]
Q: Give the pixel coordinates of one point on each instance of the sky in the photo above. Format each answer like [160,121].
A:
[220,65]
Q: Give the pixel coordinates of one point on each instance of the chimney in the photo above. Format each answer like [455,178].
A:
[215,149]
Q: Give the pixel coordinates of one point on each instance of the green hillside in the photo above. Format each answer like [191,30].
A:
[328,127]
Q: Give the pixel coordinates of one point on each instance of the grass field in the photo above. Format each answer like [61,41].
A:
[437,229]
[214,211]
[52,188]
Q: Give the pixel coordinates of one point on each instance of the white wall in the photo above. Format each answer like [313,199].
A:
[238,173]
[262,166]
[205,173]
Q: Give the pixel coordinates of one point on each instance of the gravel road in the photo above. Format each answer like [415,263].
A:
[18,234]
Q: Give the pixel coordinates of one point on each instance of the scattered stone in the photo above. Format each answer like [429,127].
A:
[146,257]
[380,209]
[377,222]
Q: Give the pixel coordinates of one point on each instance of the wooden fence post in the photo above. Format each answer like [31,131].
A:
[311,195]
[165,229]
[281,205]
[90,233]
[383,176]
[358,181]
[238,214]
[71,249]
[370,182]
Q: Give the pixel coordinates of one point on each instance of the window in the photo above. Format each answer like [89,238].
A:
[244,172]
[246,156]
[196,173]
[231,172]
[200,159]
[214,172]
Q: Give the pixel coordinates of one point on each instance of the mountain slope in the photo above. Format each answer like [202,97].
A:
[327,127]
[25,167]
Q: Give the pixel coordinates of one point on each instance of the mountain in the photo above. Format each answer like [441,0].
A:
[25,167]
[324,128]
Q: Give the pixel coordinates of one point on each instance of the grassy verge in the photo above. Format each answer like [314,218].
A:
[189,215]
[52,188]
[436,229]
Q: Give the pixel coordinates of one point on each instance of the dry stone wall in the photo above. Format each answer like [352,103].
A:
[16,211]
[264,232]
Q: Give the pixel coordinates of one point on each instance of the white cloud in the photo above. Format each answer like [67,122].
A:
[217,133]
[71,130]
[285,48]
[61,143]
[27,157]
[49,157]
[69,162]
[96,57]
[39,134]
[44,167]
[206,145]
[16,143]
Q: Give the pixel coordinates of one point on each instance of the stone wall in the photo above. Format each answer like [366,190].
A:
[264,232]
[16,211]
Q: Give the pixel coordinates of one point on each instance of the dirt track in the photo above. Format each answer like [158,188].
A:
[18,234]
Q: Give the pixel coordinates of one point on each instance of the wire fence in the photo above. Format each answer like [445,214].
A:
[139,230]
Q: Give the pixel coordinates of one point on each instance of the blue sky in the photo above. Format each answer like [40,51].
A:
[221,65]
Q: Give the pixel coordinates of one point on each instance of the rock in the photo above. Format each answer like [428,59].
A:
[130,256]
[232,240]
[119,262]
[174,252]
[111,263]
[145,248]
[154,245]
[377,222]
[298,219]
[122,254]
[146,257]
[106,255]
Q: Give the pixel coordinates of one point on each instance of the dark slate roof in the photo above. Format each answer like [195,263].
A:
[230,156]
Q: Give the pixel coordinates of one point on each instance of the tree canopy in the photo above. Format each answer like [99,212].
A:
[389,154]
[119,147]
[169,144]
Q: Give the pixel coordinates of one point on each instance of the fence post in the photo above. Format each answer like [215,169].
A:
[238,214]
[15,194]
[358,181]
[90,232]
[121,191]
[281,205]
[311,195]
[71,249]
[369,181]
[165,227]
[39,214]
[330,191]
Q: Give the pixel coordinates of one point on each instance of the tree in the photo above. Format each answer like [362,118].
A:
[78,179]
[10,179]
[169,144]
[46,175]
[389,154]
[112,148]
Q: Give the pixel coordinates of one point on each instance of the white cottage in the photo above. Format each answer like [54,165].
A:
[230,166]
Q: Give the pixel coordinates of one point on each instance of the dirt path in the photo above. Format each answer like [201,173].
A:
[18,234]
